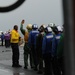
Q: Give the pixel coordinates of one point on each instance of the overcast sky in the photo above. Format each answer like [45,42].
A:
[33,11]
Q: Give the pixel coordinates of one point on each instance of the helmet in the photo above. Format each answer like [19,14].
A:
[59,28]
[43,25]
[29,26]
[34,26]
[51,25]
[42,28]
[48,29]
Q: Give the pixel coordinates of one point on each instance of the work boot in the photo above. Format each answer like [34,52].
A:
[25,67]
[18,66]
[39,72]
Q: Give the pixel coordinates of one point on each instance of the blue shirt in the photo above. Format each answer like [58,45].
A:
[32,35]
[47,43]
[56,40]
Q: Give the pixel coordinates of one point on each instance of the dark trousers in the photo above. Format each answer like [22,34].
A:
[15,53]
[62,65]
[55,66]
[26,53]
[7,43]
[40,59]
[48,64]
[2,41]
[34,56]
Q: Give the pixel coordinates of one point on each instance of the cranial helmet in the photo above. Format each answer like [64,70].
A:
[29,26]
[48,29]
[42,28]
[59,28]
[34,26]
[51,25]
[43,25]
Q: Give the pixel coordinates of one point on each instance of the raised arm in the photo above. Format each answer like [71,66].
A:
[21,27]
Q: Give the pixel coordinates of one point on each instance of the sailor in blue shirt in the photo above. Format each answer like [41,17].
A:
[56,39]
[46,50]
[31,43]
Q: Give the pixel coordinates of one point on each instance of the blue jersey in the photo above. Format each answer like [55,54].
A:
[32,35]
[55,44]
[47,43]
[2,36]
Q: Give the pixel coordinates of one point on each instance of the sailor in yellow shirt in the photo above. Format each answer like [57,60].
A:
[15,37]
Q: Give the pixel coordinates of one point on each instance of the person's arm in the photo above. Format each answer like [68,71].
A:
[21,28]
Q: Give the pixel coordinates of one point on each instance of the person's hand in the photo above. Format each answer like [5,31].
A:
[22,22]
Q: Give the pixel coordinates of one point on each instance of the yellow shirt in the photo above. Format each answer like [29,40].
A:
[14,36]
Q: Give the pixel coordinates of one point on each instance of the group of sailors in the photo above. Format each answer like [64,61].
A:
[44,45]
[5,39]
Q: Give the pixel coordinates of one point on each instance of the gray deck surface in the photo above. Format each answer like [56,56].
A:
[6,63]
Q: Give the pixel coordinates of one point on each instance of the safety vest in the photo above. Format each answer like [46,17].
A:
[26,36]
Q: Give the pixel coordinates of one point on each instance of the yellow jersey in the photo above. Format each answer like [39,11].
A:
[14,36]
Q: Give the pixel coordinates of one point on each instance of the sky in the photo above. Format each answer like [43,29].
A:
[32,11]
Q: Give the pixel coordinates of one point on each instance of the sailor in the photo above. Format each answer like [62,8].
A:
[26,47]
[55,65]
[31,43]
[46,50]
[39,39]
